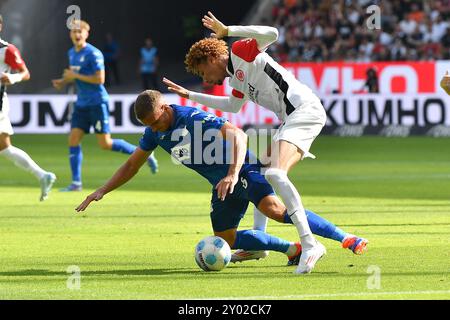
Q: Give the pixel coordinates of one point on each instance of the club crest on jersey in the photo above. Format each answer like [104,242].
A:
[240,75]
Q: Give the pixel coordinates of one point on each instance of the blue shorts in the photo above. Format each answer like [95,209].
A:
[92,116]
[252,187]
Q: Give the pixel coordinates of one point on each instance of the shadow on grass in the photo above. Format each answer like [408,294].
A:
[197,272]
[152,272]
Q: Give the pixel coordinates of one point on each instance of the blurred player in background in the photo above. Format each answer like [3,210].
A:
[235,174]
[87,70]
[255,76]
[148,66]
[11,60]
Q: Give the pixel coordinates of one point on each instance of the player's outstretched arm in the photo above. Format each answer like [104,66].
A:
[122,176]
[263,35]
[226,104]
[445,83]
[238,140]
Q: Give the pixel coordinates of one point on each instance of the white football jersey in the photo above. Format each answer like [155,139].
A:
[10,59]
[255,76]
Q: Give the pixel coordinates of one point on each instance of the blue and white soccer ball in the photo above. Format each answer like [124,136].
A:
[212,254]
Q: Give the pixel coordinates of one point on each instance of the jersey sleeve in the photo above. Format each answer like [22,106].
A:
[232,103]
[97,61]
[263,36]
[148,141]
[13,58]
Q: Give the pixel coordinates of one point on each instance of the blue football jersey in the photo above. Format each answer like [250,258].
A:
[192,141]
[88,61]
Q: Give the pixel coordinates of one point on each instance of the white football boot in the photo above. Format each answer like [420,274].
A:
[46,183]
[309,258]
[243,255]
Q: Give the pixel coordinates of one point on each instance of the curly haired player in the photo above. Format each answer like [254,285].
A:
[255,76]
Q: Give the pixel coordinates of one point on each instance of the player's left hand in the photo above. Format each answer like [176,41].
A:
[96,196]
[69,75]
[226,186]
[212,23]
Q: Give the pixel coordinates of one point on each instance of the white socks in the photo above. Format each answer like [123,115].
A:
[291,199]
[259,220]
[23,161]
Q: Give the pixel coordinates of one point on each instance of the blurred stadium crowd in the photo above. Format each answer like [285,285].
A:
[330,30]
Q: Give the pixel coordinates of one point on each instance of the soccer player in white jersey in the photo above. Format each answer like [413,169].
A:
[255,76]
[11,60]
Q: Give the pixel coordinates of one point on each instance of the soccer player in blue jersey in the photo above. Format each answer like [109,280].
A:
[87,70]
[216,150]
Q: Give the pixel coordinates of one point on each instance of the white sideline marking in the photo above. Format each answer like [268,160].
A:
[332,295]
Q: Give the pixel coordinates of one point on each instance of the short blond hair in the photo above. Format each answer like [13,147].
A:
[202,50]
[146,103]
[76,24]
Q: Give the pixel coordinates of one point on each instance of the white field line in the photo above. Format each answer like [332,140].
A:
[337,295]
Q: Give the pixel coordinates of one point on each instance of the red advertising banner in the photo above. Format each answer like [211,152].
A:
[349,77]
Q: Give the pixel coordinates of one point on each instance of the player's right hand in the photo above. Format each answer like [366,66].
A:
[173,87]
[226,186]
[58,84]
[212,23]
[96,196]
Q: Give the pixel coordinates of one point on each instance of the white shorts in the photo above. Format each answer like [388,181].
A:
[302,127]
[5,122]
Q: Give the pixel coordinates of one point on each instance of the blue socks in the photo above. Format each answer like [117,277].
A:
[122,146]
[255,240]
[321,226]
[76,158]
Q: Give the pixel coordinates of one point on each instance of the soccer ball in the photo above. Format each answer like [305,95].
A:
[212,254]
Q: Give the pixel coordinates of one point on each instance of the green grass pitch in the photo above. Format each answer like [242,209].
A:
[138,243]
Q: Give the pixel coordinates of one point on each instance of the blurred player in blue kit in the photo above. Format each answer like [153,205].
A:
[234,173]
[87,70]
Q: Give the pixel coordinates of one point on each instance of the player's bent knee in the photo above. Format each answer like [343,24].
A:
[104,141]
[272,208]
